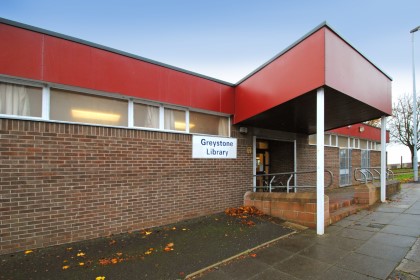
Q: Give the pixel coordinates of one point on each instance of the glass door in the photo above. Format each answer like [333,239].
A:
[345,167]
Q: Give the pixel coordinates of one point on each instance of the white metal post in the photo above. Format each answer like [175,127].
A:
[46,103]
[415,159]
[383,158]
[320,161]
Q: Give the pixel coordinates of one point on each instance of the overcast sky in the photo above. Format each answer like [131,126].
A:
[227,39]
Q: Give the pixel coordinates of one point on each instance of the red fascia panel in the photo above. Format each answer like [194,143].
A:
[349,72]
[361,131]
[294,73]
[60,61]
[20,52]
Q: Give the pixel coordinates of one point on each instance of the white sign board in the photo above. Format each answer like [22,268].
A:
[213,147]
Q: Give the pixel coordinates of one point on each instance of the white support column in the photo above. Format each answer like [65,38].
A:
[130,113]
[383,158]
[320,161]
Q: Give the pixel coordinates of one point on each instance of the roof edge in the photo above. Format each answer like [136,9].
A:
[301,39]
[112,50]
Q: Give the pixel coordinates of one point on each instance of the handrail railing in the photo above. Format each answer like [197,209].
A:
[367,174]
[268,184]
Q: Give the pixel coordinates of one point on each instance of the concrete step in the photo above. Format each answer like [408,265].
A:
[343,212]
[335,205]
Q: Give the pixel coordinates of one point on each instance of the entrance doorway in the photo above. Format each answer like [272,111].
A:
[345,167]
[272,157]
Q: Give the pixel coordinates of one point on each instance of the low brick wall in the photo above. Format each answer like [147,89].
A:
[371,193]
[299,208]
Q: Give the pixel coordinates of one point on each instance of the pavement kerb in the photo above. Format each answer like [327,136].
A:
[189,276]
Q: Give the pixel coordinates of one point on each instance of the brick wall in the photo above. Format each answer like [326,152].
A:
[61,183]
[306,161]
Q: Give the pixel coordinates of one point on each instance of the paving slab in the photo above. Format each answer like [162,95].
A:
[380,217]
[356,234]
[298,242]
[302,267]
[407,220]
[367,265]
[244,269]
[393,240]
[402,230]
[383,251]
[326,254]
[273,254]
[367,226]
[334,272]
[343,243]
[272,273]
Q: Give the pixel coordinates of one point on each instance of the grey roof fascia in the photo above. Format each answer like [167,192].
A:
[98,46]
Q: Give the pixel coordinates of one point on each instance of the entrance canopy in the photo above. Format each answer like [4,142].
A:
[281,94]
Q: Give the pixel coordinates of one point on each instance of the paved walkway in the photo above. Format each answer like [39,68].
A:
[379,244]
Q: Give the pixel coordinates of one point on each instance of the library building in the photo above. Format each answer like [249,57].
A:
[95,141]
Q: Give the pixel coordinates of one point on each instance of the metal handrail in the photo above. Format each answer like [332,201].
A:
[291,175]
[370,170]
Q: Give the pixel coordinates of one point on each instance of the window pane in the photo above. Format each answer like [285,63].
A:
[334,140]
[20,100]
[146,115]
[175,120]
[75,107]
[208,124]
[312,139]
[343,142]
[326,139]
[363,144]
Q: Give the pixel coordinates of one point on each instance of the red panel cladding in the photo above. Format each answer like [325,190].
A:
[349,72]
[292,74]
[367,132]
[79,65]
[20,52]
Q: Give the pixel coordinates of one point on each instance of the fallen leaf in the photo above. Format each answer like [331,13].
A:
[146,232]
[104,261]
[114,260]
[184,229]
[65,267]
[81,254]
[174,228]
[69,248]
[112,242]
[28,252]
[81,263]
[253,255]
[170,245]
[100,278]
[168,249]
[65,261]
[119,254]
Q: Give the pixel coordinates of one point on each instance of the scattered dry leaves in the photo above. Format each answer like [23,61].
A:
[81,254]
[169,247]
[244,213]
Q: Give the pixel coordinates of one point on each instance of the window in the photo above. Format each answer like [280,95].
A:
[80,107]
[76,107]
[20,100]
[312,139]
[343,142]
[208,124]
[334,140]
[175,120]
[146,115]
